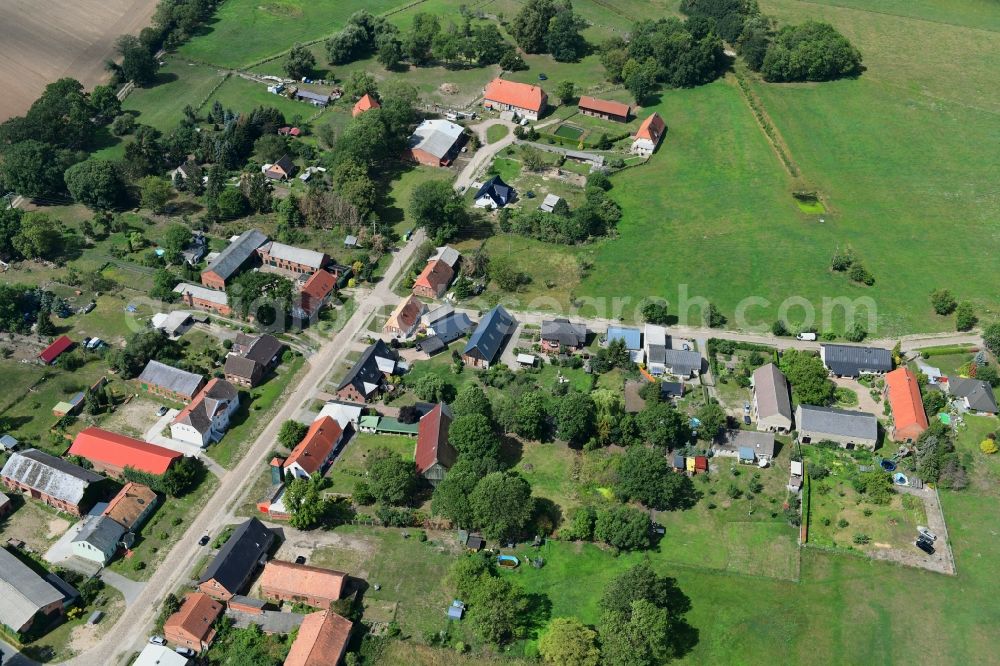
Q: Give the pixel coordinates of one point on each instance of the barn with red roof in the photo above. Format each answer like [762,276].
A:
[909,420]
[112,453]
[52,352]
[522,98]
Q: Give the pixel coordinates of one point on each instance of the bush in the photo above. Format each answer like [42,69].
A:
[989,446]
[943,302]
[860,274]
[842,523]
[861,539]
[965,316]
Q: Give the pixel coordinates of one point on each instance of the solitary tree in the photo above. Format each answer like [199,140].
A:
[300,62]
[568,642]
[502,504]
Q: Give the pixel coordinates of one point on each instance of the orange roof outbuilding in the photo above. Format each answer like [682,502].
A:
[512,93]
[909,420]
[191,626]
[604,106]
[116,451]
[366,103]
[317,446]
[287,580]
[321,641]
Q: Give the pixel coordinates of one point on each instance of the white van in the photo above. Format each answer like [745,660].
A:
[806,336]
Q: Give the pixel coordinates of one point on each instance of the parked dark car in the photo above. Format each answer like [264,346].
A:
[925,545]
[203,540]
[746,419]
[301,559]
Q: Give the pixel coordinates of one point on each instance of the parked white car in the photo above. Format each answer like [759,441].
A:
[926,533]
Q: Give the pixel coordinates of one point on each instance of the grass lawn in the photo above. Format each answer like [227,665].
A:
[249,421]
[245,31]
[178,84]
[496,132]
[349,467]
[163,529]
[400,186]
[242,95]
[411,574]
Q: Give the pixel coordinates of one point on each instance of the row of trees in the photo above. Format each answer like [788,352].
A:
[426,42]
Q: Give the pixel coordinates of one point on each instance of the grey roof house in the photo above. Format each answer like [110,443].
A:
[974,394]
[557,333]
[853,361]
[98,539]
[847,428]
[678,362]
[486,342]
[25,594]
[368,374]
[452,327]
[237,560]
[494,193]
[772,403]
[170,381]
[747,445]
[56,482]
[232,259]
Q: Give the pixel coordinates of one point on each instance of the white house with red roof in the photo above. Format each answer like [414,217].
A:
[316,449]
[649,135]
[206,419]
[435,455]
[523,99]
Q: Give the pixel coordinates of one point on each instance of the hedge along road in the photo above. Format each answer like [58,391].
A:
[139,617]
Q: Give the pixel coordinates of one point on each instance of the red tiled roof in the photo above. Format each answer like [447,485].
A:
[52,352]
[432,440]
[366,103]
[652,128]
[604,106]
[195,617]
[302,580]
[321,640]
[521,95]
[436,274]
[406,315]
[110,448]
[316,446]
[908,415]
[317,287]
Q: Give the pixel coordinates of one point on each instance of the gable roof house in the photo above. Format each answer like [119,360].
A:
[772,404]
[191,625]
[206,419]
[238,559]
[973,394]
[197,296]
[366,103]
[251,357]
[25,594]
[170,382]
[49,355]
[649,135]
[434,454]
[655,344]
[283,169]
[452,327]
[494,193]
[605,109]
[367,377]
[55,481]
[315,293]
[403,321]
[321,640]
[301,583]
[290,258]
[436,142]
[488,339]
[523,99]
[314,98]
[131,506]
[98,539]
[316,449]
[433,281]
[344,413]
[854,361]
[561,333]
[232,259]
[908,417]
[112,453]
[847,428]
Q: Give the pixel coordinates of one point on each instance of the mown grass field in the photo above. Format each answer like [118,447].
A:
[179,84]
[350,466]
[245,31]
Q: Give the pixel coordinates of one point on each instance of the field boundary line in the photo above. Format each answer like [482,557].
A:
[766,126]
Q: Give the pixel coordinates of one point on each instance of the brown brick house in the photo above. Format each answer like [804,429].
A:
[191,626]
[301,583]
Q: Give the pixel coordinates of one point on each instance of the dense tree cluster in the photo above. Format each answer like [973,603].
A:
[142,347]
[499,609]
[549,26]
[665,51]
[597,216]
[808,376]
[937,461]
[811,51]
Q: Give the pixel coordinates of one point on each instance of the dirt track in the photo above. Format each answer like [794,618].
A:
[42,42]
